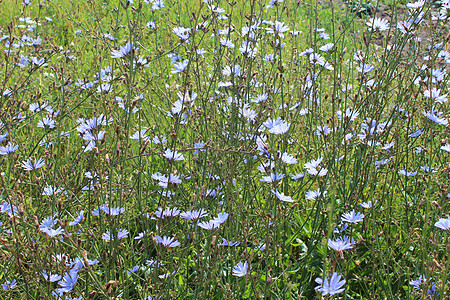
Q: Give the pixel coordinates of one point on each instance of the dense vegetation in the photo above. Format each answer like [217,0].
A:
[217,149]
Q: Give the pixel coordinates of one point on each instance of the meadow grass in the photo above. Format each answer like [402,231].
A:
[217,149]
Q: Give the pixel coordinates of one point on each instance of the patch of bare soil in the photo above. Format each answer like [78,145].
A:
[430,33]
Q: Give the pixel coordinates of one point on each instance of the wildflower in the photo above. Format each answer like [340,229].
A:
[194,214]
[280,128]
[378,24]
[68,282]
[416,133]
[434,94]
[297,176]
[364,68]
[156,4]
[324,35]
[54,232]
[226,42]
[8,149]
[182,33]
[313,195]
[179,66]
[173,155]
[240,269]
[273,177]
[326,47]
[112,211]
[166,275]
[168,242]
[446,147]
[332,286]
[221,218]
[123,51]
[46,123]
[261,247]
[352,217]
[270,58]
[39,62]
[443,224]
[78,219]
[313,164]
[208,225]
[228,243]
[405,27]
[282,196]
[316,58]
[8,285]
[141,235]
[121,234]
[50,277]
[323,130]
[167,213]
[406,173]
[278,29]
[51,190]
[5,207]
[368,204]
[105,88]
[342,243]
[418,282]
[28,165]
[133,270]
[273,3]
[415,5]
[320,173]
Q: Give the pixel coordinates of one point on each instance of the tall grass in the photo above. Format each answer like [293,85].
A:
[215,149]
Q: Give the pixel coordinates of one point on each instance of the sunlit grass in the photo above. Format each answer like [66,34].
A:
[166,150]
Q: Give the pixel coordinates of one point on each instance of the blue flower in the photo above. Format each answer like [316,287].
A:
[122,52]
[194,214]
[133,270]
[46,123]
[168,212]
[141,235]
[342,243]
[68,282]
[281,128]
[179,66]
[51,277]
[352,217]
[443,224]
[8,149]
[166,241]
[368,204]
[77,219]
[121,234]
[281,196]
[28,165]
[221,218]
[208,225]
[54,232]
[240,269]
[228,243]
[424,280]
[332,286]
[111,211]
[8,285]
